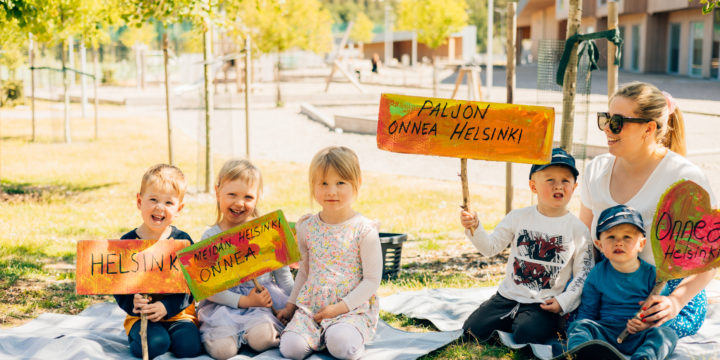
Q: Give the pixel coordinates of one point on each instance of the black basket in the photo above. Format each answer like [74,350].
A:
[391,244]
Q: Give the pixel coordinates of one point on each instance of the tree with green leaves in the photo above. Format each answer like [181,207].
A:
[362,30]
[478,16]
[12,40]
[138,13]
[433,21]
[53,22]
[278,26]
[708,5]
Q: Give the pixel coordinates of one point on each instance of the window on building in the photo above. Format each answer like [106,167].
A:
[674,55]
[635,56]
[696,48]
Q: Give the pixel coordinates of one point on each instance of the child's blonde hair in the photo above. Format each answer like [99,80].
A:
[339,158]
[239,169]
[166,177]
[653,104]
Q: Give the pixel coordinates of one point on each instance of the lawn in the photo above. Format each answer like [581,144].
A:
[54,194]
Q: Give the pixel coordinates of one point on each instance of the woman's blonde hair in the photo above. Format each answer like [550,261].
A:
[651,103]
[339,158]
[239,169]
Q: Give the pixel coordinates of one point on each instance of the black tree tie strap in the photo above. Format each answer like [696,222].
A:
[588,46]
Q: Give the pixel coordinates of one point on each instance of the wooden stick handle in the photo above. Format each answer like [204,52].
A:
[465,189]
[655,291]
[260,288]
[143,335]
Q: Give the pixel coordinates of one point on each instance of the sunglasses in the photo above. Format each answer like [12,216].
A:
[615,122]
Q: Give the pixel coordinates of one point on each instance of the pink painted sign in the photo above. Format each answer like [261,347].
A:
[685,232]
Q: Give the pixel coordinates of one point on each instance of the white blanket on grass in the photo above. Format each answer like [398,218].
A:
[447,309]
[97,333]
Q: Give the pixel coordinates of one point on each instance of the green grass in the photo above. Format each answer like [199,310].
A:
[54,194]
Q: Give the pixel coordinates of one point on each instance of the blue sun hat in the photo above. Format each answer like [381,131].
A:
[616,215]
[559,157]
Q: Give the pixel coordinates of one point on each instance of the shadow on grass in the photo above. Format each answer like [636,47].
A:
[470,349]
[411,277]
[11,191]
[462,348]
[28,289]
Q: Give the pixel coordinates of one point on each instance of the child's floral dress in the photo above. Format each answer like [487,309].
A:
[334,270]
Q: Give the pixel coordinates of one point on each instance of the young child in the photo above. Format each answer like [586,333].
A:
[333,302]
[172,324]
[616,286]
[549,247]
[241,315]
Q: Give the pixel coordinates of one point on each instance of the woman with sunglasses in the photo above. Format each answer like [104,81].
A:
[646,142]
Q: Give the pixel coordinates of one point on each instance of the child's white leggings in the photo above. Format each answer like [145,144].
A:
[343,341]
[259,337]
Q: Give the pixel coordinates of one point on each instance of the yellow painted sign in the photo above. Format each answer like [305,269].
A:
[129,267]
[465,129]
[238,255]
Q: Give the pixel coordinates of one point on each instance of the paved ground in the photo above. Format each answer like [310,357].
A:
[285,134]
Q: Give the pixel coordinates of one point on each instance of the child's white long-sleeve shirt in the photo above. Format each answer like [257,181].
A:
[545,254]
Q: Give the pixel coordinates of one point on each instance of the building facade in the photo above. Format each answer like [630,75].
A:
[660,36]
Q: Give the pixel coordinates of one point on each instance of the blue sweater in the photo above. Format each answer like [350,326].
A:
[611,296]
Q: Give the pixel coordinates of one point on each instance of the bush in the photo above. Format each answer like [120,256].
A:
[108,76]
[12,93]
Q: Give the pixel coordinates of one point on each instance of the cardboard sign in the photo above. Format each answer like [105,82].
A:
[129,267]
[685,232]
[465,129]
[238,255]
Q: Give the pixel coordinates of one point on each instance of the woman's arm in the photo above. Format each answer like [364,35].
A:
[586,216]
[665,308]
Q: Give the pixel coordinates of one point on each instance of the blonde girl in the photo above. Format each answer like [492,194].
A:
[333,303]
[241,315]
[646,142]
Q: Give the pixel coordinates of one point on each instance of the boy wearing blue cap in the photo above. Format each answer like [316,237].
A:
[615,288]
[549,246]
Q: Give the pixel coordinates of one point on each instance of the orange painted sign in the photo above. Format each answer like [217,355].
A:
[465,129]
[238,255]
[129,267]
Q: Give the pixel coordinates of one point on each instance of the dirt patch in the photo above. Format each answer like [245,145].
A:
[26,299]
[453,257]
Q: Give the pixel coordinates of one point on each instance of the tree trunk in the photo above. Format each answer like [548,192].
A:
[278,100]
[83,79]
[66,94]
[510,81]
[96,84]
[570,80]
[247,93]
[435,76]
[31,56]
[209,105]
[167,97]
[612,69]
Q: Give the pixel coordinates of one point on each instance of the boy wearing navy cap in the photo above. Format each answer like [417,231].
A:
[549,246]
[615,288]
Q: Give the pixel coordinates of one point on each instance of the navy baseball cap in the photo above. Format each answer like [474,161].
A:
[616,215]
[559,157]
